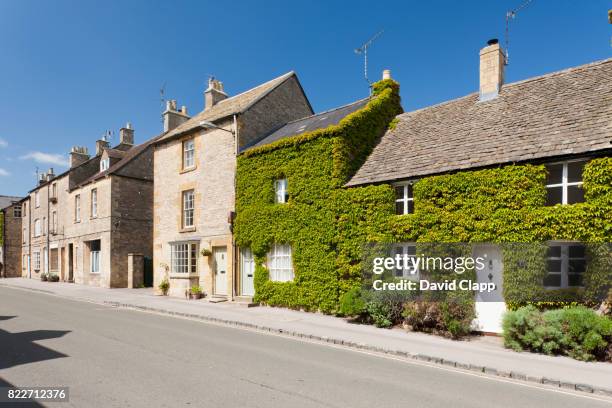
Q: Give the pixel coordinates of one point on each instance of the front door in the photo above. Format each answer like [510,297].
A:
[70,263]
[490,306]
[247,271]
[220,254]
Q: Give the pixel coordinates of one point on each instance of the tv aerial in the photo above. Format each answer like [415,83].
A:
[511,15]
[107,135]
[363,50]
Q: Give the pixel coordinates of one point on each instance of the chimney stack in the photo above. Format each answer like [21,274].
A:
[386,74]
[492,63]
[100,146]
[50,174]
[214,94]
[42,178]
[78,155]
[173,117]
[126,136]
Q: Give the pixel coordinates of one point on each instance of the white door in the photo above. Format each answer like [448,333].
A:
[247,272]
[220,270]
[490,306]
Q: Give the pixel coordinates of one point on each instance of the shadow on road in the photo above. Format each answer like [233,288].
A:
[4,383]
[19,348]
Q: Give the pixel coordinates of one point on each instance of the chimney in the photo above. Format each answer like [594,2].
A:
[214,94]
[42,179]
[386,74]
[126,136]
[492,62]
[173,117]
[100,146]
[50,174]
[78,155]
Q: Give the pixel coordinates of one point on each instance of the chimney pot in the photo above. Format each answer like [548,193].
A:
[126,136]
[214,93]
[78,155]
[100,146]
[386,74]
[492,63]
[172,117]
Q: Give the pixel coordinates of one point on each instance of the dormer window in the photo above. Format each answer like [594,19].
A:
[281,192]
[104,164]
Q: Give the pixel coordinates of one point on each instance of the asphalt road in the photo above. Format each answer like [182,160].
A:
[120,358]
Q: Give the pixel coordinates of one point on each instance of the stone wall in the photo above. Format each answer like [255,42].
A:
[12,242]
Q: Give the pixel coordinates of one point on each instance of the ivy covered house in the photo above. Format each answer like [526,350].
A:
[524,162]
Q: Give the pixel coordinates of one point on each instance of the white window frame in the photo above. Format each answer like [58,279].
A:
[281,193]
[280,263]
[406,198]
[17,211]
[94,203]
[37,228]
[54,222]
[104,164]
[184,258]
[406,273]
[36,260]
[94,260]
[44,226]
[564,258]
[77,208]
[188,209]
[188,154]
[564,183]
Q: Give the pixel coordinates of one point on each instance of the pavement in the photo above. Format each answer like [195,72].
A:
[117,357]
[481,354]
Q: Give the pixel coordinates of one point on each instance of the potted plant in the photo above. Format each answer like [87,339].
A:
[195,292]
[164,286]
[53,277]
[43,277]
[205,252]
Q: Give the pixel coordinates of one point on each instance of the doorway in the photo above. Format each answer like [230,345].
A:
[70,263]
[490,306]
[247,272]
[220,270]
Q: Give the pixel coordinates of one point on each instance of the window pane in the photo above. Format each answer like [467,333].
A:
[577,265]
[574,279]
[574,171]
[411,250]
[552,280]
[411,207]
[553,265]
[554,252]
[576,251]
[575,194]
[399,192]
[554,195]
[399,207]
[555,174]
[409,190]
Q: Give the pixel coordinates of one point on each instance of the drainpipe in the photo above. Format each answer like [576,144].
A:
[234,246]
[3,271]
[48,230]
[29,239]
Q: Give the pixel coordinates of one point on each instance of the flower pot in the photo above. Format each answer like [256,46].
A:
[195,296]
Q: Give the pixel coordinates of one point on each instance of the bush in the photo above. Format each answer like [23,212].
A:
[577,332]
[385,308]
[43,277]
[450,317]
[53,278]
[196,290]
[352,303]
[164,286]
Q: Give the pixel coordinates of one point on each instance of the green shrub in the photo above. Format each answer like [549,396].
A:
[43,277]
[577,332]
[385,308]
[196,289]
[450,317]
[352,303]
[53,277]
[164,286]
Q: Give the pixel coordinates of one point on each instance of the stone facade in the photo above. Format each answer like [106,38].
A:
[11,235]
[212,180]
[92,217]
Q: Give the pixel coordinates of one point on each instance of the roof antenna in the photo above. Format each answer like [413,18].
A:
[364,50]
[162,98]
[510,15]
[107,136]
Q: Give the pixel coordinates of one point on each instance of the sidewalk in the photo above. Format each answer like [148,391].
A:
[482,354]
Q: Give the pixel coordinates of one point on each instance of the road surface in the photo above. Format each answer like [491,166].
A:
[113,357]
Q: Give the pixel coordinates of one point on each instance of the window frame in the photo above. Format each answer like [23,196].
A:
[53,222]
[275,265]
[77,208]
[406,248]
[94,203]
[565,258]
[94,258]
[37,228]
[185,151]
[17,211]
[564,180]
[36,263]
[281,191]
[188,251]
[187,213]
[406,197]
[37,199]
[104,164]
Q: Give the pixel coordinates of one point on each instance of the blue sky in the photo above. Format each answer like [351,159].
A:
[70,70]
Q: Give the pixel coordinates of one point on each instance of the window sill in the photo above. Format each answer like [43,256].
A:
[189,229]
[188,170]
[175,275]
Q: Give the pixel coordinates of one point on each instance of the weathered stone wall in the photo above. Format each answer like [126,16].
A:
[12,242]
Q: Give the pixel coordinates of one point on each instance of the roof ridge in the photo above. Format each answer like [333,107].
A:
[327,111]
[288,74]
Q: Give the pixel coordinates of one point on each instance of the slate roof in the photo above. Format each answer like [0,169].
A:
[563,113]
[7,201]
[230,106]
[310,123]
